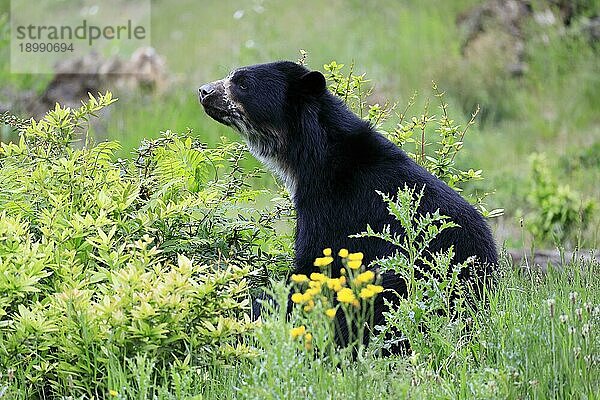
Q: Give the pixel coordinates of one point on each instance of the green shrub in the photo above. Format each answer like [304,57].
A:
[103,262]
[557,210]
[209,215]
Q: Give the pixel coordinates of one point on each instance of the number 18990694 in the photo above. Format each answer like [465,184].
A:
[43,47]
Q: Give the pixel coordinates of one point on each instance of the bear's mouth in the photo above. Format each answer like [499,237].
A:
[217,114]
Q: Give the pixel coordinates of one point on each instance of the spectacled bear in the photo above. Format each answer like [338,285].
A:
[333,163]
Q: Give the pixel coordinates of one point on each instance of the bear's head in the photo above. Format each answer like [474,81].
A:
[263,103]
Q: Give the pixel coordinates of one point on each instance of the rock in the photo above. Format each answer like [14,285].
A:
[498,28]
[75,78]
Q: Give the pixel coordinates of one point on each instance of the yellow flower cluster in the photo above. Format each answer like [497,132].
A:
[365,277]
[370,291]
[318,277]
[306,299]
[308,341]
[336,284]
[300,298]
[344,294]
[299,332]
[330,312]
[354,285]
[352,260]
[299,278]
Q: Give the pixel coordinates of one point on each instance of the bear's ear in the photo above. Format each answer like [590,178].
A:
[313,83]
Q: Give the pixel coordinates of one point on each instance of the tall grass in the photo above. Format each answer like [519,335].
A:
[537,339]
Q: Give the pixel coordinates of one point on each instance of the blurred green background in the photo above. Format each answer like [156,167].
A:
[538,87]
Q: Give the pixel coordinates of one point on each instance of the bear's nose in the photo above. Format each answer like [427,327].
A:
[205,90]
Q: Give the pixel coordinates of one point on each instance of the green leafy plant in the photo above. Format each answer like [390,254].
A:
[105,263]
[557,210]
[213,219]
[426,317]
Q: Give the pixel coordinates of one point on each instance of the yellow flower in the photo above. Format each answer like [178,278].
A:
[343,271]
[299,278]
[317,276]
[113,393]
[308,341]
[297,332]
[354,264]
[313,291]
[315,284]
[309,306]
[342,280]
[323,261]
[327,252]
[355,303]
[375,288]
[355,256]
[346,296]
[366,293]
[334,284]
[298,298]
[343,253]
[365,277]
[330,312]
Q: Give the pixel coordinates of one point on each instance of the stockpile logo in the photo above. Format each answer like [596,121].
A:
[45,33]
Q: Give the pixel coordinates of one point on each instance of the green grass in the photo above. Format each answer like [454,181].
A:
[518,347]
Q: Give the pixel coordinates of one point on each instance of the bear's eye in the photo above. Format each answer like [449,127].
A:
[241,83]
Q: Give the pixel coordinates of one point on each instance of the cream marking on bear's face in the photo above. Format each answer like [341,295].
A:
[264,143]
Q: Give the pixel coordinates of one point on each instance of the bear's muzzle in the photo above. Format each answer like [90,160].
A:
[215,101]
